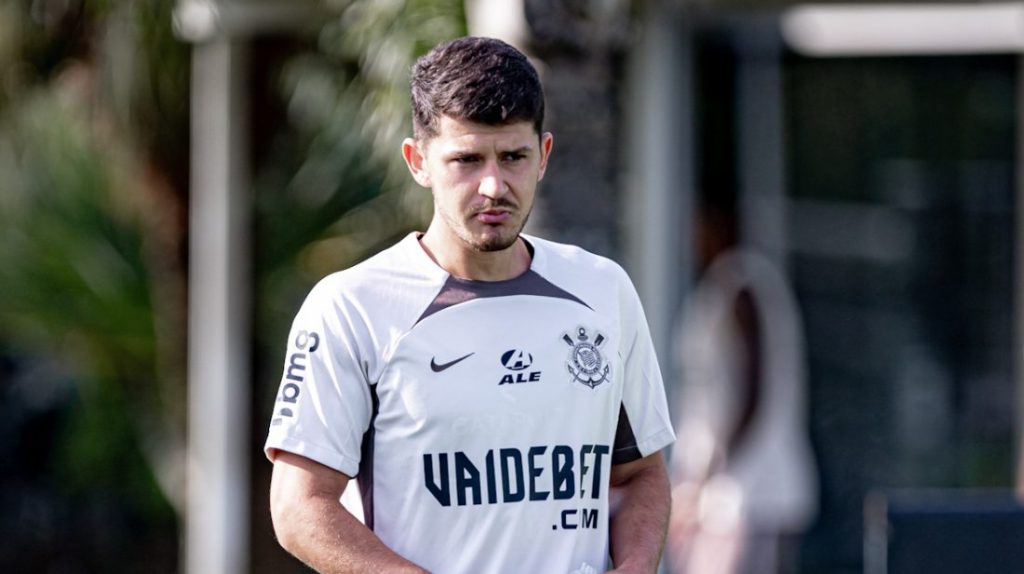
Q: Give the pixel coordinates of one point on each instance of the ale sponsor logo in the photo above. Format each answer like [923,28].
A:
[518,363]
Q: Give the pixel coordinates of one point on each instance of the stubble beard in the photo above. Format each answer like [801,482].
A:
[493,243]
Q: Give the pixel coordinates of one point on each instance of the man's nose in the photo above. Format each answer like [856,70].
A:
[492,183]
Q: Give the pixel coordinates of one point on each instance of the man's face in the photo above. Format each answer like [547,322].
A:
[483,179]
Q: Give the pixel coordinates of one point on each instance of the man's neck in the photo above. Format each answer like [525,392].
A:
[466,263]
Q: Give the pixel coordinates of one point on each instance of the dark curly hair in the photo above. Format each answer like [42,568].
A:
[482,80]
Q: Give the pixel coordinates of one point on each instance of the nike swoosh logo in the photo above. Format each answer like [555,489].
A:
[437,368]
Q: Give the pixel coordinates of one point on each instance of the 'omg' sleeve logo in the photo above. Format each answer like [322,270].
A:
[306,343]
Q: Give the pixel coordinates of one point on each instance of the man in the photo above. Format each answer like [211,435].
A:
[743,470]
[496,395]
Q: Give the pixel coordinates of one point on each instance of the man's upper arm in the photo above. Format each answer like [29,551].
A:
[638,503]
[295,480]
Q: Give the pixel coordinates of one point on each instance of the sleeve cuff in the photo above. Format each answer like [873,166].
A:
[327,457]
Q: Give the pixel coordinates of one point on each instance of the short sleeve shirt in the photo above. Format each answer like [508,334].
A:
[481,419]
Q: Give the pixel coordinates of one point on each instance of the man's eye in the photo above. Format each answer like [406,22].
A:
[514,156]
[465,159]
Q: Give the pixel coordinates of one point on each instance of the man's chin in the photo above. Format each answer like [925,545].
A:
[492,244]
[495,241]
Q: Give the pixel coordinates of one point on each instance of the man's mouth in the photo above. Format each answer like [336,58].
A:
[493,216]
[494,213]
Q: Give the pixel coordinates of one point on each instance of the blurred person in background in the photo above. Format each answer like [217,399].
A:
[496,395]
[743,473]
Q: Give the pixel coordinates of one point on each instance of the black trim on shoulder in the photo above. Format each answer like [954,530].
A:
[365,476]
[456,291]
[625,448]
[529,247]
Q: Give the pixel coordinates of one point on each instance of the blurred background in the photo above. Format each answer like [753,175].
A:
[176,174]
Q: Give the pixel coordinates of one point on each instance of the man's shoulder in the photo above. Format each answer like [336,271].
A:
[596,279]
[569,258]
[392,269]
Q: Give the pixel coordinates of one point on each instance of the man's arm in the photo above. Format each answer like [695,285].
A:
[640,500]
[311,523]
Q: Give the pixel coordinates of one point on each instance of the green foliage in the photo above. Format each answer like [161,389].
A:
[101,451]
[76,290]
[71,269]
[85,271]
[75,287]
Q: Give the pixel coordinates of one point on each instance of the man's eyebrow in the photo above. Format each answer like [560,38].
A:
[465,152]
[521,150]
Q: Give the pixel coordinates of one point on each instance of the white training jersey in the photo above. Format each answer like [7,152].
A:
[481,419]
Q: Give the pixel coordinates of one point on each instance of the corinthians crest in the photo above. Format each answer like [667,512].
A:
[586,364]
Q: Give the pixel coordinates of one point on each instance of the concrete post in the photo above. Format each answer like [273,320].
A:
[217,518]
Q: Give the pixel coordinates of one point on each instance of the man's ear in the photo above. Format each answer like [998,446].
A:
[416,161]
[546,141]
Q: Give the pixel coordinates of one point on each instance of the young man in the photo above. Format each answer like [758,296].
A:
[496,395]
